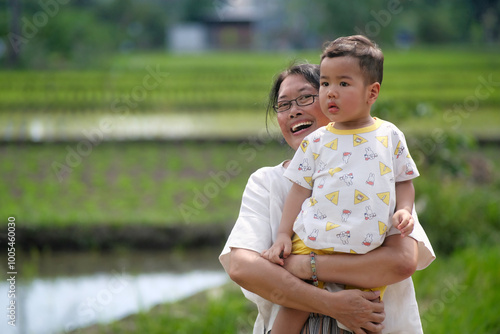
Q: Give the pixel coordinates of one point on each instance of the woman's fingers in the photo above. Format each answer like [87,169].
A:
[360,311]
[378,314]
[373,327]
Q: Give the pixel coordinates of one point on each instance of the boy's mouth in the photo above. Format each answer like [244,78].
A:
[332,107]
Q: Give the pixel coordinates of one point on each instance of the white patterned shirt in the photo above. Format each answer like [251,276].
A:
[352,175]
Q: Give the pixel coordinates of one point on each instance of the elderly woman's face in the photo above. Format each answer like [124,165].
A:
[299,121]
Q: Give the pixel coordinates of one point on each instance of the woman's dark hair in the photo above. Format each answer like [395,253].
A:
[310,72]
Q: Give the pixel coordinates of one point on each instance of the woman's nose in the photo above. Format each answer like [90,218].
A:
[294,111]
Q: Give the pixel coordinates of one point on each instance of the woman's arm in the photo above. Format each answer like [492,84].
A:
[353,308]
[392,262]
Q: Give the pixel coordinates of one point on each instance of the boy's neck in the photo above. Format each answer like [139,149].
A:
[353,125]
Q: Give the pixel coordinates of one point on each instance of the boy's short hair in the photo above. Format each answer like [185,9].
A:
[371,58]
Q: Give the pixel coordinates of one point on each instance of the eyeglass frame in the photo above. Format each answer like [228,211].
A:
[314,96]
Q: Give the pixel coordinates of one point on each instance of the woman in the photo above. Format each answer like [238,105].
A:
[268,284]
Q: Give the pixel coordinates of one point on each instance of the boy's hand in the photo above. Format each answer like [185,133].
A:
[282,246]
[403,221]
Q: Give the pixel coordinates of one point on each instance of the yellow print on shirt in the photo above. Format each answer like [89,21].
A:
[304,145]
[358,140]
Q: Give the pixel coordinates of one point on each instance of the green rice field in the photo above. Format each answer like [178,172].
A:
[455,89]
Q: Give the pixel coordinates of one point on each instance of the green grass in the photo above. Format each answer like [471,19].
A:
[459,293]
[456,294]
[178,183]
[129,183]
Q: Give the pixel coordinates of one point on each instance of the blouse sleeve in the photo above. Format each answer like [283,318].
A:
[425,251]
[252,229]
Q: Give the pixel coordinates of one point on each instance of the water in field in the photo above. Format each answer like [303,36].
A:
[96,127]
[68,291]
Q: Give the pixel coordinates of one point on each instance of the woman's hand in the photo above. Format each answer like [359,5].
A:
[354,308]
[359,310]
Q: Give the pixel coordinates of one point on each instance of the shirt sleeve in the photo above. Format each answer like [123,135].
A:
[252,228]
[301,169]
[405,167]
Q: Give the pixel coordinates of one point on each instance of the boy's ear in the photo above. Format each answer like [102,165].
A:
[373,91]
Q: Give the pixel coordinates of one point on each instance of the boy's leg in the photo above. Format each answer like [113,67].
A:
[289,321]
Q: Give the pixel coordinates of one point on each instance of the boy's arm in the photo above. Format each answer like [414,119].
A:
[291,209]
[405,196]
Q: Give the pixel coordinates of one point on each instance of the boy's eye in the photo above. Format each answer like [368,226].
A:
[324,84]
[344,84]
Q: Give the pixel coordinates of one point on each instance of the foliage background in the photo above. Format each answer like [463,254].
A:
[90,30]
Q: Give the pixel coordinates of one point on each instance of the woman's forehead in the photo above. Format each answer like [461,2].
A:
[294,85]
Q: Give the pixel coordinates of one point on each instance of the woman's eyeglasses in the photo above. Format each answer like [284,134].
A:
[301,101]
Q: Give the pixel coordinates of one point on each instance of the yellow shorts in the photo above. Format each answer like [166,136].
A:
[300,248]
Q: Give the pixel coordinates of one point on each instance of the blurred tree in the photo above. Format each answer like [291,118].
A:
[195,10]
[487,13]
[141,25]
[14,26]
[36,33]
[444,21]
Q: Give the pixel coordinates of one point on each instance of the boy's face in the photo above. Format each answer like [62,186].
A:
[344,96]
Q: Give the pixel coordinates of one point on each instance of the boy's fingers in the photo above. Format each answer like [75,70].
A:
[276,255]
[287,250]
[277,259]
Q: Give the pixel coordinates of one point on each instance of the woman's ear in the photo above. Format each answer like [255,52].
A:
[373,91]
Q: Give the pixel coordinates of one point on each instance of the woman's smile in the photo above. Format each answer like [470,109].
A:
[300,126]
